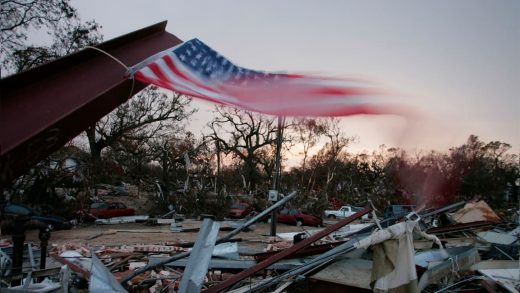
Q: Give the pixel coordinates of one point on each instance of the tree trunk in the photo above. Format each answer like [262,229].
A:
[251,173]
[95,151]
[165,168]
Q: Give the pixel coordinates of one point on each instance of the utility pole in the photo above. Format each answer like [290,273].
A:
[217,143]
[517,183]
[274,193]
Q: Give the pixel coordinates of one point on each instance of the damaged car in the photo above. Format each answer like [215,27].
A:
[105,210]
[53,222]
[298,217]
[240,210]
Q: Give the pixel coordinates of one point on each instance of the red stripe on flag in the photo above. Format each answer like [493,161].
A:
[180,74]
[158,72]
[338,91]
[169,85]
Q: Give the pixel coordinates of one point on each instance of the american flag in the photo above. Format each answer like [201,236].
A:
[194,69]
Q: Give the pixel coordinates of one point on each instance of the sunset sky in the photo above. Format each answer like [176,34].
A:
[456,62]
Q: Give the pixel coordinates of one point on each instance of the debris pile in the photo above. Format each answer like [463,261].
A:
[461,247]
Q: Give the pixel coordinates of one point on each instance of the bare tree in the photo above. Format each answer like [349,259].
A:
[329,155]
[181,154]
[248,137]
[308,132]
[143,117]
[56,18]
[337,142]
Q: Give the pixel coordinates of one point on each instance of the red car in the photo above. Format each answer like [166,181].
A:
[240,210]
[105,210]
[299,218]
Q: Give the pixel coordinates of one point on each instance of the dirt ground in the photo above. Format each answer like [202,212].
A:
[139,233]
[93,235]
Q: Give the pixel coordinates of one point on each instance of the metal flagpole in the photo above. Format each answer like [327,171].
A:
[276,175]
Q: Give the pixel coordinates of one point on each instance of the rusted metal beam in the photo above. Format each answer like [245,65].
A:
[311,265]
[459,227]
[443,209]
[284,253]
[45,107]
[312,250]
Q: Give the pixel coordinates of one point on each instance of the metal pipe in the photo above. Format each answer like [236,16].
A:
[31,256]
[225,238]
[443,209]
[255,219]
[458,283]
[317,262]
[284,253]
[276,175]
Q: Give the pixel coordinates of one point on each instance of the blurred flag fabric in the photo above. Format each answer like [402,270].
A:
[194,69]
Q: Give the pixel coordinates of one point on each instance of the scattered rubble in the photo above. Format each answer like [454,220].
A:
[476,212]
[474,250]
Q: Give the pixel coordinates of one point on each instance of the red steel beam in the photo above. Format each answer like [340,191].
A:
[43,108]
[312,250]
[284,253]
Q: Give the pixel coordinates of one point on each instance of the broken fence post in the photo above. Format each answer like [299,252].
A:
[198,263]
[225,238]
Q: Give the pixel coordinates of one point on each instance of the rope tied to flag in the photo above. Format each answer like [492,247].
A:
[120,63]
